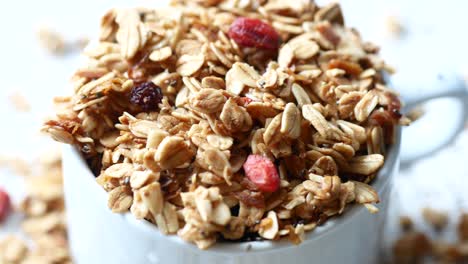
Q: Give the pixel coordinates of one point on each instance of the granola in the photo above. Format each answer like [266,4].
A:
[419,247]
[176,105]
[44,219]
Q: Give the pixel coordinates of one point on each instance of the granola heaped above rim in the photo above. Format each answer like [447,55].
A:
[231,120]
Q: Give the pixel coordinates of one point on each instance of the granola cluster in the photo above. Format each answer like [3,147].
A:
[44,218]
[173,102]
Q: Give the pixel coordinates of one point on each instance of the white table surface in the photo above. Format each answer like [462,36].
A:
[436,36]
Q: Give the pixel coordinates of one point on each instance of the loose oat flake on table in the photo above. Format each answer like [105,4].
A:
[231,120]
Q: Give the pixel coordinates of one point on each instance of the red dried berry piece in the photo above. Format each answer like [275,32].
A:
[147,95]
[244,101]
[5,205]
[251,32]
[262,172]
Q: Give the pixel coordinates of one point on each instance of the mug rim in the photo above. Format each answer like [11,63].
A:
[226,247]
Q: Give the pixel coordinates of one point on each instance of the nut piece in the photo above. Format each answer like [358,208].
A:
[269,227]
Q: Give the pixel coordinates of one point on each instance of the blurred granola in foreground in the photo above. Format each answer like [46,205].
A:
[417,247]
[44,222]
[55,44]
[229,120]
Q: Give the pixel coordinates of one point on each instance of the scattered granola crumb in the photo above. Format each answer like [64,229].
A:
[415,113]
[80,43]
[448,252]
[437,219]
[12,250]
[394,27]
[17,165]
[414,247]
[406,223]
[52,41]
[44,222]
[56,44]
[411,248]
[19,102]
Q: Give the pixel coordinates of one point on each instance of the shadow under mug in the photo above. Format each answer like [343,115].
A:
[99,236]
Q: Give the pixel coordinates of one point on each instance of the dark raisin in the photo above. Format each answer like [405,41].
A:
[146,95]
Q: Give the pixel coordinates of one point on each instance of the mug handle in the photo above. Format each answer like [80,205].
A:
[428,86]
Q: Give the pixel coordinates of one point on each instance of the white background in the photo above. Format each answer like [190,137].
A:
[436,35]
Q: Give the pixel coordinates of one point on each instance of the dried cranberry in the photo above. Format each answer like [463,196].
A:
[5,205]
[146,95]
[262,172]
[244,101]
[251,32]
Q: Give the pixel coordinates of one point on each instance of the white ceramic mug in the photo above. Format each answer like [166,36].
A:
[99,236]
